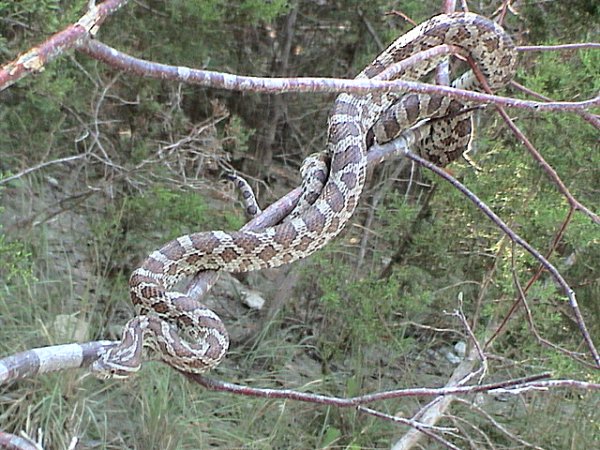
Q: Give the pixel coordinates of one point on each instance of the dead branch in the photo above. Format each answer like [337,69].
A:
[560,47]
[12,442]
[418,427]
[78,36]
[34,362]
[221,80]
[569,292]
[289,394]
[35,60]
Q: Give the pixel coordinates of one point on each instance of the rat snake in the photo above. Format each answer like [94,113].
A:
[186,334]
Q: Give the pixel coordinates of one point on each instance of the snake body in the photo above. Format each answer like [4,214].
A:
[192,338]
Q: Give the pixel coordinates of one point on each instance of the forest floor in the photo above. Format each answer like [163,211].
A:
[275,326]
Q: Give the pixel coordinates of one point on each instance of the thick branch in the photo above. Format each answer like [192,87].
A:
[37,361]
[12,442]
[221,80]
[35,59]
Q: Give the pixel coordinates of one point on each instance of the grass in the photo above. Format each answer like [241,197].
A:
[64,280]
[159,409]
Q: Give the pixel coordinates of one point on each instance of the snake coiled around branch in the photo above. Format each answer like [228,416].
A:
[190,337]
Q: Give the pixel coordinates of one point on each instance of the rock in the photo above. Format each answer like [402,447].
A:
[460,348]
[252,299]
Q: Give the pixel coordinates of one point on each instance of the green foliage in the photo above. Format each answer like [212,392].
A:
[15,261]
[357,329]
[165,210]
[562,20]
[364,311]
[237,136]
[209,11]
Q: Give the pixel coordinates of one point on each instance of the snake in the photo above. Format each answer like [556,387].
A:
[184,333]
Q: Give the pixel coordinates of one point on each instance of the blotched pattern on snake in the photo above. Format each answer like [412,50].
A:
[189,336]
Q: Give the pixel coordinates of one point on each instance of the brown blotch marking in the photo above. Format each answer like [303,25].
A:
[173,250]
[205,241]
[491,43]
[352,201]
[287,258]
[463,128]
[447,141]
[375,98]
[185,320]
[350,179]
[136,279]
[412,105]
[153,265]
[214,347]
[247,264]
[322,175]
[213,323]
[334,197]
[247,242]
[352,154]
[147,291]
[173,270]
[267,253]
[401,53]
[435,101]
[304,243]
[506,61]
[334,225]
[343,107]
[389,122]
[315,220]
[461,35]
[193,259]
[338,131]
[185,303]
[229,255]
[375,68]
[160,307]
[455,106]
[438,32]
[285,234]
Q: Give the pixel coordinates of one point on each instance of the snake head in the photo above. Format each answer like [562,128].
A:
[120,361]
[105,370]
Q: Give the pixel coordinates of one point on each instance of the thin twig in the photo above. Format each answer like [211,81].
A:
[548,169]
[523,300]
[41,166]
[290,394]
[517,239]
[423,428]
[497,424]
[553,48]
[592,119]
[521,297]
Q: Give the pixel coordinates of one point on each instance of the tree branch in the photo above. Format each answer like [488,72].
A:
[36,59]
[221,80]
